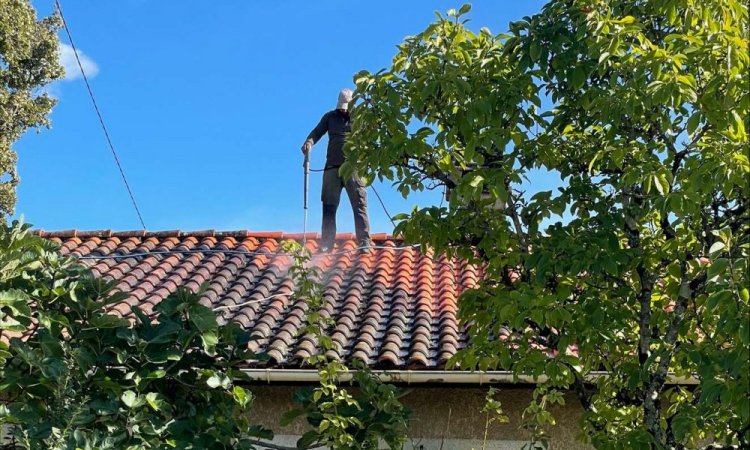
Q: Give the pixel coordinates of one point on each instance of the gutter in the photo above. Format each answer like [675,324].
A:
[428,377]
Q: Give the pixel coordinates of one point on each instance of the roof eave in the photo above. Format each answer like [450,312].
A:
[400,376]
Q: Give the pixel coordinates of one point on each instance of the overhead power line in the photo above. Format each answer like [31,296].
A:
[99,114]
[390,217]
[267,253]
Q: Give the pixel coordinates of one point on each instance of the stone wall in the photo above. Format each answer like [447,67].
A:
[443,416]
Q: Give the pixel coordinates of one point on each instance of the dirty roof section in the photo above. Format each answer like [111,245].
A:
[393,307]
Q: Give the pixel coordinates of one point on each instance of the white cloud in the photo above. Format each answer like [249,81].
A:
[68,61]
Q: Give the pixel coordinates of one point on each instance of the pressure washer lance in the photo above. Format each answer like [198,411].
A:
[306,166]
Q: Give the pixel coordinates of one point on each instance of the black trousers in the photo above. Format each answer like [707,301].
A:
[331,195]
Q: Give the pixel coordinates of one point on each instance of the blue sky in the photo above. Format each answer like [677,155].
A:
[207,104]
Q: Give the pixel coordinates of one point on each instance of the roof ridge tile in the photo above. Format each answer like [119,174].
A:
[62,233]
[244,233]
[233,233]
[129,233]
[94,233]
[199,233]
[163,233]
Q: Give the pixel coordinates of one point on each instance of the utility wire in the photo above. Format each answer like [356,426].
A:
[98,113]
[383,205]
[240,252]
[251,302]
[376,194]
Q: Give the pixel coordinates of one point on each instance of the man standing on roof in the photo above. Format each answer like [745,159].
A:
[337,124]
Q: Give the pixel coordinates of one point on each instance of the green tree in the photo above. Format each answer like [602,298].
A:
[638,263]
[74,376]
[28,61]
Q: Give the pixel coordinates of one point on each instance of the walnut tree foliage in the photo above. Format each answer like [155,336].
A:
[637,264]
[28,61]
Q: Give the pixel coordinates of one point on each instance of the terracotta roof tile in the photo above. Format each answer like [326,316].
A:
[390,307]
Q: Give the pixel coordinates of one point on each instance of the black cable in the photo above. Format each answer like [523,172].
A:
[98,113]
[267,253]
[383,205]
[376,193]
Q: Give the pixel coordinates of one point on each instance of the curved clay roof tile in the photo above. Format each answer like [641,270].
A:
[392,307]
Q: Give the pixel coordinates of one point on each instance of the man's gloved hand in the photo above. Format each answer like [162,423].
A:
[307,146]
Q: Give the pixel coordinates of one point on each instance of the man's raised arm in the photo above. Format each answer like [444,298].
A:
[317,133]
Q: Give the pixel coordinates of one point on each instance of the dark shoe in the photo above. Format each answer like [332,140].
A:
[365,245]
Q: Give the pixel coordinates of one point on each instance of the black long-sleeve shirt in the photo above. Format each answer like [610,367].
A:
[337,124]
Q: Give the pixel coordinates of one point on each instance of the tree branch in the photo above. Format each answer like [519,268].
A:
[511,208]
[720,447]
[659,376]
[282,447]
[697,138]
[431,171]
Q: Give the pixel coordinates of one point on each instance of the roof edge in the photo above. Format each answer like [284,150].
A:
[272,375]
[239,234]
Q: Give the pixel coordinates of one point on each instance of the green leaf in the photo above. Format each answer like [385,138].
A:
[109,321]
[12,297]
[241,396]
[680,425]
[218,380]
[718,267]
[535,51]
[158,402]
[738,125]
[131,399]
[476,181]
[717,298]
[661,183]
[156,374]
[578,77]
[210,339]
[13,327]
[203,318]
[17,301]
[716,248]
[289,416]
[307,439]
[693,121]
[260,432]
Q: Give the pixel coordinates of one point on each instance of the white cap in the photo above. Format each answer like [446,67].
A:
[345,96]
